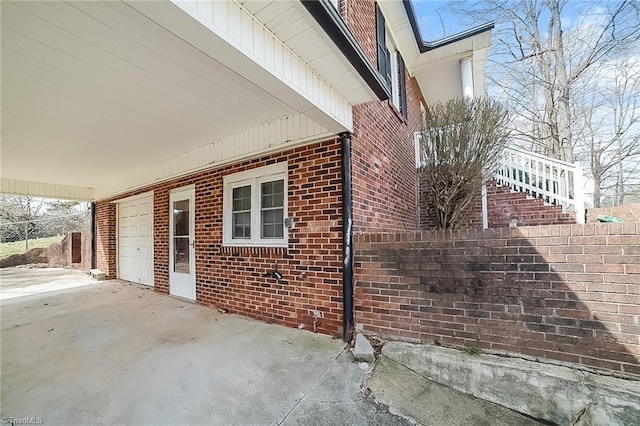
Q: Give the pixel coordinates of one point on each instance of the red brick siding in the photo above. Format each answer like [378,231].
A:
[383,152]
[232,278]
[360,17]
[106,238]
[503,206]
[562,292]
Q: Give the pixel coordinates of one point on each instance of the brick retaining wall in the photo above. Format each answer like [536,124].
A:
[563,292]
[626,212]
[503,206]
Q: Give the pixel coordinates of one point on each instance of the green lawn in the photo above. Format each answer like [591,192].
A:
[7,249]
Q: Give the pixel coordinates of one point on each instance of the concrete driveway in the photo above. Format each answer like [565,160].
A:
[119,353]
[21,281]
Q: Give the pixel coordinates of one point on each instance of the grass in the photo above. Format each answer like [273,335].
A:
[17,247]
[471,350]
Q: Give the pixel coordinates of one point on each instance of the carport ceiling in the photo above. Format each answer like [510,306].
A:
[91,90]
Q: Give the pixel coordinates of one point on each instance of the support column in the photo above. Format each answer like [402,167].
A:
[466,70]
[93,235]
[347,239]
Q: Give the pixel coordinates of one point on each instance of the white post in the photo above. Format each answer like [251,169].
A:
[578,192]
[485,210]
[466,71]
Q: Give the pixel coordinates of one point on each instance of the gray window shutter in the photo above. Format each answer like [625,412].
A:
[384,60]
[402,86]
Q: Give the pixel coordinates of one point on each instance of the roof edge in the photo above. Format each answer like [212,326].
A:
[330,20]
[425,46]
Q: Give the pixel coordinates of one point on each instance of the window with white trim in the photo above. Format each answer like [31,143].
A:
[255,206]
[390,64]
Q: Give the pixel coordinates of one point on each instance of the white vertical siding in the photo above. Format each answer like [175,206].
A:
[240,28]
[47,190]
[277,135]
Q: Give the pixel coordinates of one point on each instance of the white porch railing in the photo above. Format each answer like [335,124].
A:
[556,182]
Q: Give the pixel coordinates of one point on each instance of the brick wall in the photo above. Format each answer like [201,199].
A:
[360,18]
[233,278]
[106,238]
[62,253]
[568,293]
[503,206]
[626,212]
[383,151]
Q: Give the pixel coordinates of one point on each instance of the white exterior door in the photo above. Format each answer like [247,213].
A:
[135,240]
[182,264]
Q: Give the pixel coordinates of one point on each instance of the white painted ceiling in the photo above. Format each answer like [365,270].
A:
[95,89]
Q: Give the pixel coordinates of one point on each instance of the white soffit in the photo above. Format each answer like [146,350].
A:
[438,71]
[93,92]
[292,24]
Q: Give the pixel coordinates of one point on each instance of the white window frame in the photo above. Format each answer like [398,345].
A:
[393,63]
[253,178]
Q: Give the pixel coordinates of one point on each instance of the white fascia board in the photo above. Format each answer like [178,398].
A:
[230,34]
[275,136]
[452,51]
[45,190]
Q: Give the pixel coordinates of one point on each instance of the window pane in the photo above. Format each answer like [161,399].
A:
[181,254]
[181,218]
[242,198]
[272,223]
[241,225]
[272,194]
[272,209]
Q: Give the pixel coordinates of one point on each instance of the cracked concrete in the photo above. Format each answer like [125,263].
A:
[429,403]
[119,353]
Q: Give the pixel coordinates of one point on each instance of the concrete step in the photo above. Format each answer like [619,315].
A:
[426,402]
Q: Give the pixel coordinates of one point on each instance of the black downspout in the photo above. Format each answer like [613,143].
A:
[347,239]
[93,235]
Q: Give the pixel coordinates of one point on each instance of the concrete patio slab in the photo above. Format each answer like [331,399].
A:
[17,282]
[119,353]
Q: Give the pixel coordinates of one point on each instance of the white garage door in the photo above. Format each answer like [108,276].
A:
[135,240]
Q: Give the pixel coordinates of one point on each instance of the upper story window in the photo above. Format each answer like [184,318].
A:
[254,207]
[336,4]
[390,64]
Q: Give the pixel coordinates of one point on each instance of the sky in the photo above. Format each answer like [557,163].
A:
[434,22]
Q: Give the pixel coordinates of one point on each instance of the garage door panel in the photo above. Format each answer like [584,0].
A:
[144,209]
[133,253]
[145,253]
[144,231]
[135,240]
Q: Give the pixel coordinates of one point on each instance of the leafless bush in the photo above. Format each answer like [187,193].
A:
[460,146]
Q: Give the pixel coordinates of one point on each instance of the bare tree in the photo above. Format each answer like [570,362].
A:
[24,218]
[461,144]
[608,104]
[537,64]
[18,216]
